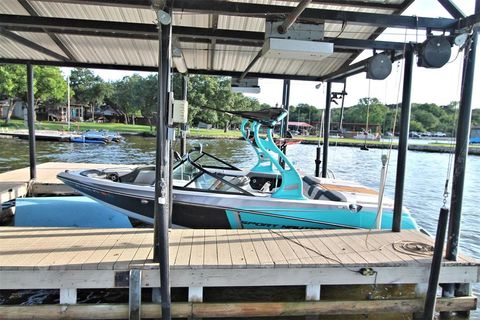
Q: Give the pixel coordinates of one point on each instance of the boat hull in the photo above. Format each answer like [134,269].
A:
[200,209]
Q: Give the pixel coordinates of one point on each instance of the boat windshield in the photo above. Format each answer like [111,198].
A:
[202,171]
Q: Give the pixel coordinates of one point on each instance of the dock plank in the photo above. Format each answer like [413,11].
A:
[223,249]
[210,254]
[261,249]
[283,244]
[126,257]
[236,250]
[198,249]
[316,258]
[276,254]
[123,243]
[183,255]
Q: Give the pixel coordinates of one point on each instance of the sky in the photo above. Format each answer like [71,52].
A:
[440,86]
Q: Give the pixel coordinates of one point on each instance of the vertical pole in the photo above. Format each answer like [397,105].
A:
[162,195]
[68,103]
[286,105]
[461,148]
[461,152]
[403,139]
[431,298]
[31,122]
[183,126]
[326,129]
[340,121]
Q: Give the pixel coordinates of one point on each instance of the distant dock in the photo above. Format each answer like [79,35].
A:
[44,135]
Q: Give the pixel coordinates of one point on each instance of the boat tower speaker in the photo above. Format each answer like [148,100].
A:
[379,67]
[434,52]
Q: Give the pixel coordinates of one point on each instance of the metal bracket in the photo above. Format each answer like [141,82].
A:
[298,31]
[122,279]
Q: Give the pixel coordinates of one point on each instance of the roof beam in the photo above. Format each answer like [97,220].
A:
[260,10]
[452,9]
[151,69]
[351,17]
[147,3]
[27,6]
[149,32]
[30,44]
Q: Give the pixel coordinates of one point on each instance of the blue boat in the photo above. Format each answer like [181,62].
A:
[103,134]
[83,139]
[211,193]
[475,135]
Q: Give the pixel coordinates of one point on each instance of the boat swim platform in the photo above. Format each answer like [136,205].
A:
[16,183]
[69,259]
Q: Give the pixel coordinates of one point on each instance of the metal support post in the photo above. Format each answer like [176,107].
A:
[162,188]
[461,148]
[344,92]
[461,152]
[326,129]
[183,126]
[286,105]
[403,139]
[431,298]
[31,122]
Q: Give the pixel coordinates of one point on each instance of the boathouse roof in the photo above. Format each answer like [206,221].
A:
[215,37]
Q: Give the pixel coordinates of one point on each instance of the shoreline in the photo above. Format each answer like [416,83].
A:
[412,147]
[336,142]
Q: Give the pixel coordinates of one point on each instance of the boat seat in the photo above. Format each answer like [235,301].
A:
[314,190]
[141,175]
[145,178]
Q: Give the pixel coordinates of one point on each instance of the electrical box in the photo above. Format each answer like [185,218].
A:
[180,111]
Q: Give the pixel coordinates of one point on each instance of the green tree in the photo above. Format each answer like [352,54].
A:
[416,126]
[13,85]
[49,85]
[89,89]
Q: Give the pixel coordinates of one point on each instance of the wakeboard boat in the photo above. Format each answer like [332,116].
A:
[209,193]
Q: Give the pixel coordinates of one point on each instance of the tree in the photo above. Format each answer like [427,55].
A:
[49,85]
[13,85]
[89,89]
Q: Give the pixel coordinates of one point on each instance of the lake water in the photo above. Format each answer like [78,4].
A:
[425,178]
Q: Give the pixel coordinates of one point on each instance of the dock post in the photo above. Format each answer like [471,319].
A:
[135,294]
[431,299]
[183,126]
[31,122]
[461,152]
[162,187]
[326,129]
[312,292]
[403,139]
[195,294]
[68,296]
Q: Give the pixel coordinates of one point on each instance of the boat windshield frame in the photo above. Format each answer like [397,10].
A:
[203,170]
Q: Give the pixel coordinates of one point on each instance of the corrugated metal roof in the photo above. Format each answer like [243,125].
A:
[198,56]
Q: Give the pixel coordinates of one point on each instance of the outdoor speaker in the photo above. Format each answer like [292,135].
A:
[434,52]
[379,67]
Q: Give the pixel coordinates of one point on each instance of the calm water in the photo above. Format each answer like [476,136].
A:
[425,179]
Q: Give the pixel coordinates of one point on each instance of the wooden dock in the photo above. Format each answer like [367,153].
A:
[16,183]
[70,259]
